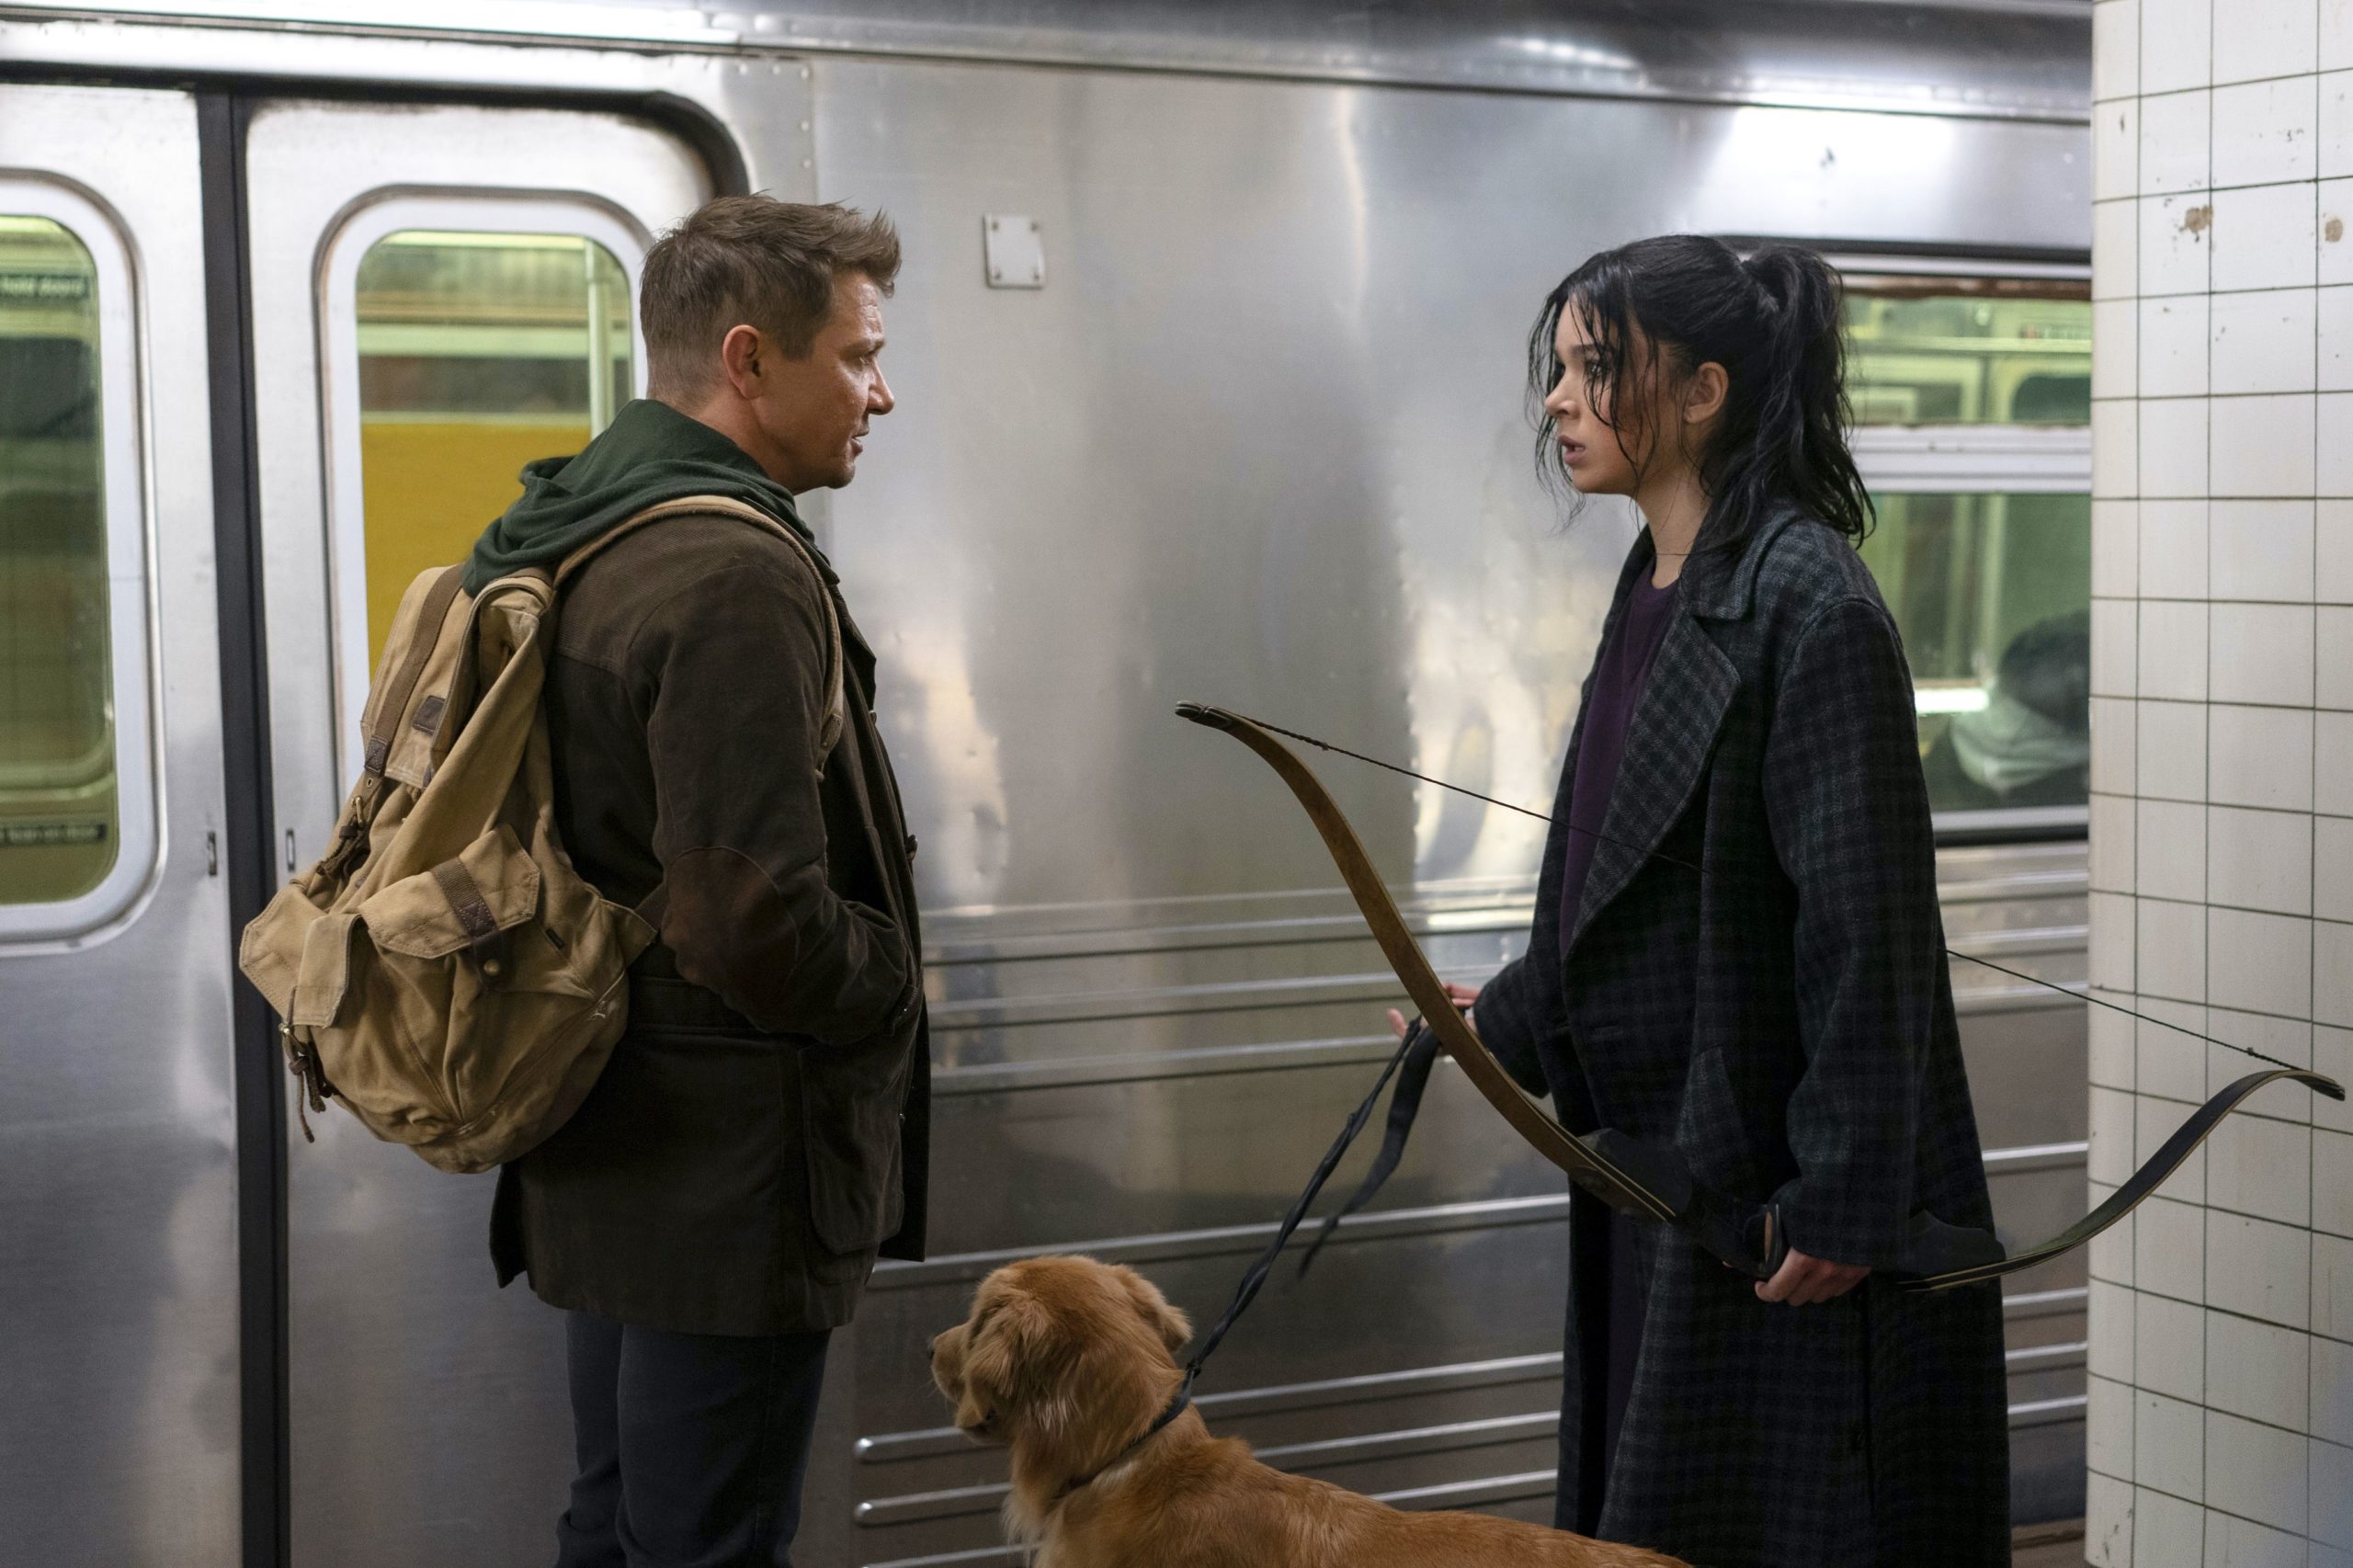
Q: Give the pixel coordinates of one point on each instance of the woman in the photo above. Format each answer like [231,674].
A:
[1737,947]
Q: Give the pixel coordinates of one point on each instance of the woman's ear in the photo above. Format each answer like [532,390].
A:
[1172,1325]
[1704,391]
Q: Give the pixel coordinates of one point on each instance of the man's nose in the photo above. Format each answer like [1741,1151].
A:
[878,397]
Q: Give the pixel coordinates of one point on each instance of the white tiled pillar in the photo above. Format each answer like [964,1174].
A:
[2222,1315]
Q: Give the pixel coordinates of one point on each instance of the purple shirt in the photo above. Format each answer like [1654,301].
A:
[1619,671]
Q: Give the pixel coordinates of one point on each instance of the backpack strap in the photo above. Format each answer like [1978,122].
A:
[388,714]
[837,711]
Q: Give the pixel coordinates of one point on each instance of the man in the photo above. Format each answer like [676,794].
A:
[758,1138]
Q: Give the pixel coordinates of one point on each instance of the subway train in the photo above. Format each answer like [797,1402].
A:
[1210,356]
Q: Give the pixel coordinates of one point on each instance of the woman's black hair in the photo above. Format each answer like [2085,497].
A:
[1774,320]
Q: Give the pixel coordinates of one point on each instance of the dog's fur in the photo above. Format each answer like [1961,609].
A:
[1067,1360]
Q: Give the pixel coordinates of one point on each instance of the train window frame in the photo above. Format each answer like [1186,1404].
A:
[1977,459]
[374,217]
[132,680]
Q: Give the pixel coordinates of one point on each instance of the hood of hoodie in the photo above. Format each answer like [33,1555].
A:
[649,454]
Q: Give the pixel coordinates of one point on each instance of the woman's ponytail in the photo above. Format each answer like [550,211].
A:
[1774,320]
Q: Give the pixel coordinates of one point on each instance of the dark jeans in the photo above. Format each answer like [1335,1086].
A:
[691,1446]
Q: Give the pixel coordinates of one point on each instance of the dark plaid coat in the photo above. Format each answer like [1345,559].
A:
[1785,1017]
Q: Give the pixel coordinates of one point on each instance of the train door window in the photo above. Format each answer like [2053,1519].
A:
[77,808]
[465,339]
[1973,405]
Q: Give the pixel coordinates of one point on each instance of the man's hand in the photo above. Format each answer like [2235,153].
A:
[1801,1281]
[1462,997]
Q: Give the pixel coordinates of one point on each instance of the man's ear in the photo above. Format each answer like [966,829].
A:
[1171,1324]
[743,354]
[1007,1361]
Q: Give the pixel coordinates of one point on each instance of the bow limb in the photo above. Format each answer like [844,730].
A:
[1588,1166]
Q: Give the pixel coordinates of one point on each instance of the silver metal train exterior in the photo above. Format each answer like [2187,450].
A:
[1258,439]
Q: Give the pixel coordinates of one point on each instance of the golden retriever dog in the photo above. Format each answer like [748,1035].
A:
[1071,1364]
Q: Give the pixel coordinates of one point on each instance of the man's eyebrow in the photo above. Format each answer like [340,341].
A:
[868,345]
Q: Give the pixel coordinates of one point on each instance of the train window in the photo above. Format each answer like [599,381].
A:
[1973,402]
[477,352]
[76,807]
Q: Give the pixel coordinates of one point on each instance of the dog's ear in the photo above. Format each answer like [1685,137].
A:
[1009,1357]
[1171,1324]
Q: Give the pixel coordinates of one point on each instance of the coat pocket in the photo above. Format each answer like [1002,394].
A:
[850,1102]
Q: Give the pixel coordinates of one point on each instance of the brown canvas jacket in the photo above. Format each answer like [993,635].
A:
[759,1136]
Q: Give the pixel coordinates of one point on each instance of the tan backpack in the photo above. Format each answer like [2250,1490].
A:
[442,970]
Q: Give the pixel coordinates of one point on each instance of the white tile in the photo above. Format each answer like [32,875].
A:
[2256,1166]
[2264,37]
[2332,868]
[2332,1390]
[2116,549]
[2323,1555]
[2107,1518]
[2168,1532]
[2114,1141]
[2108,1425]
[2176,136]
[2168,1445]
[2172,1063]
[2115,349]
[2173,649]
[2176,241]
[2257,1370]
[2334,261]
[2332,1495]
[2336,124]
[2116,647]
[2333,552]
[2332,1055]
[2333,329]
[2170,760]
[2171,860]
[2263,342]
[2170,949]
[2265,132]
[2116,249]
[2333,461]
[2258,1269]
[2332,1287]
[2333,656]
[2110,949]
[2258,757]
[2116,150]
[2112,744]
[2332,780]
[2175,345]
[2332,975]
[2264,238]
[2109,1336]
[2259,653]
[2169,1348]
[2169,1238]
[2260,860]
[2177,44]
[2262,550]
[2242,1543]
[2172,447]
[2254,1472]
[2263,445]
[2332,1182]
[2110,1047]
[2177,549]
[2116,50]
[2116,449]
[2111,846]
[2336,35]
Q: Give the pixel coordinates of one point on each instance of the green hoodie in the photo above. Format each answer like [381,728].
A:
[649,454]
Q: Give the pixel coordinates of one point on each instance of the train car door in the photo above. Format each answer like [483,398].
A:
[119,1330]
[439,294]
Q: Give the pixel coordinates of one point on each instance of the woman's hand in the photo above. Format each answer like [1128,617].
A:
[1801,1281]
[1462,997]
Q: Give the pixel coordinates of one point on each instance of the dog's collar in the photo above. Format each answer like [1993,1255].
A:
[1176,1405]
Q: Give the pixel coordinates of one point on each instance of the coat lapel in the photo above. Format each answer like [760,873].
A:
[1683,704]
